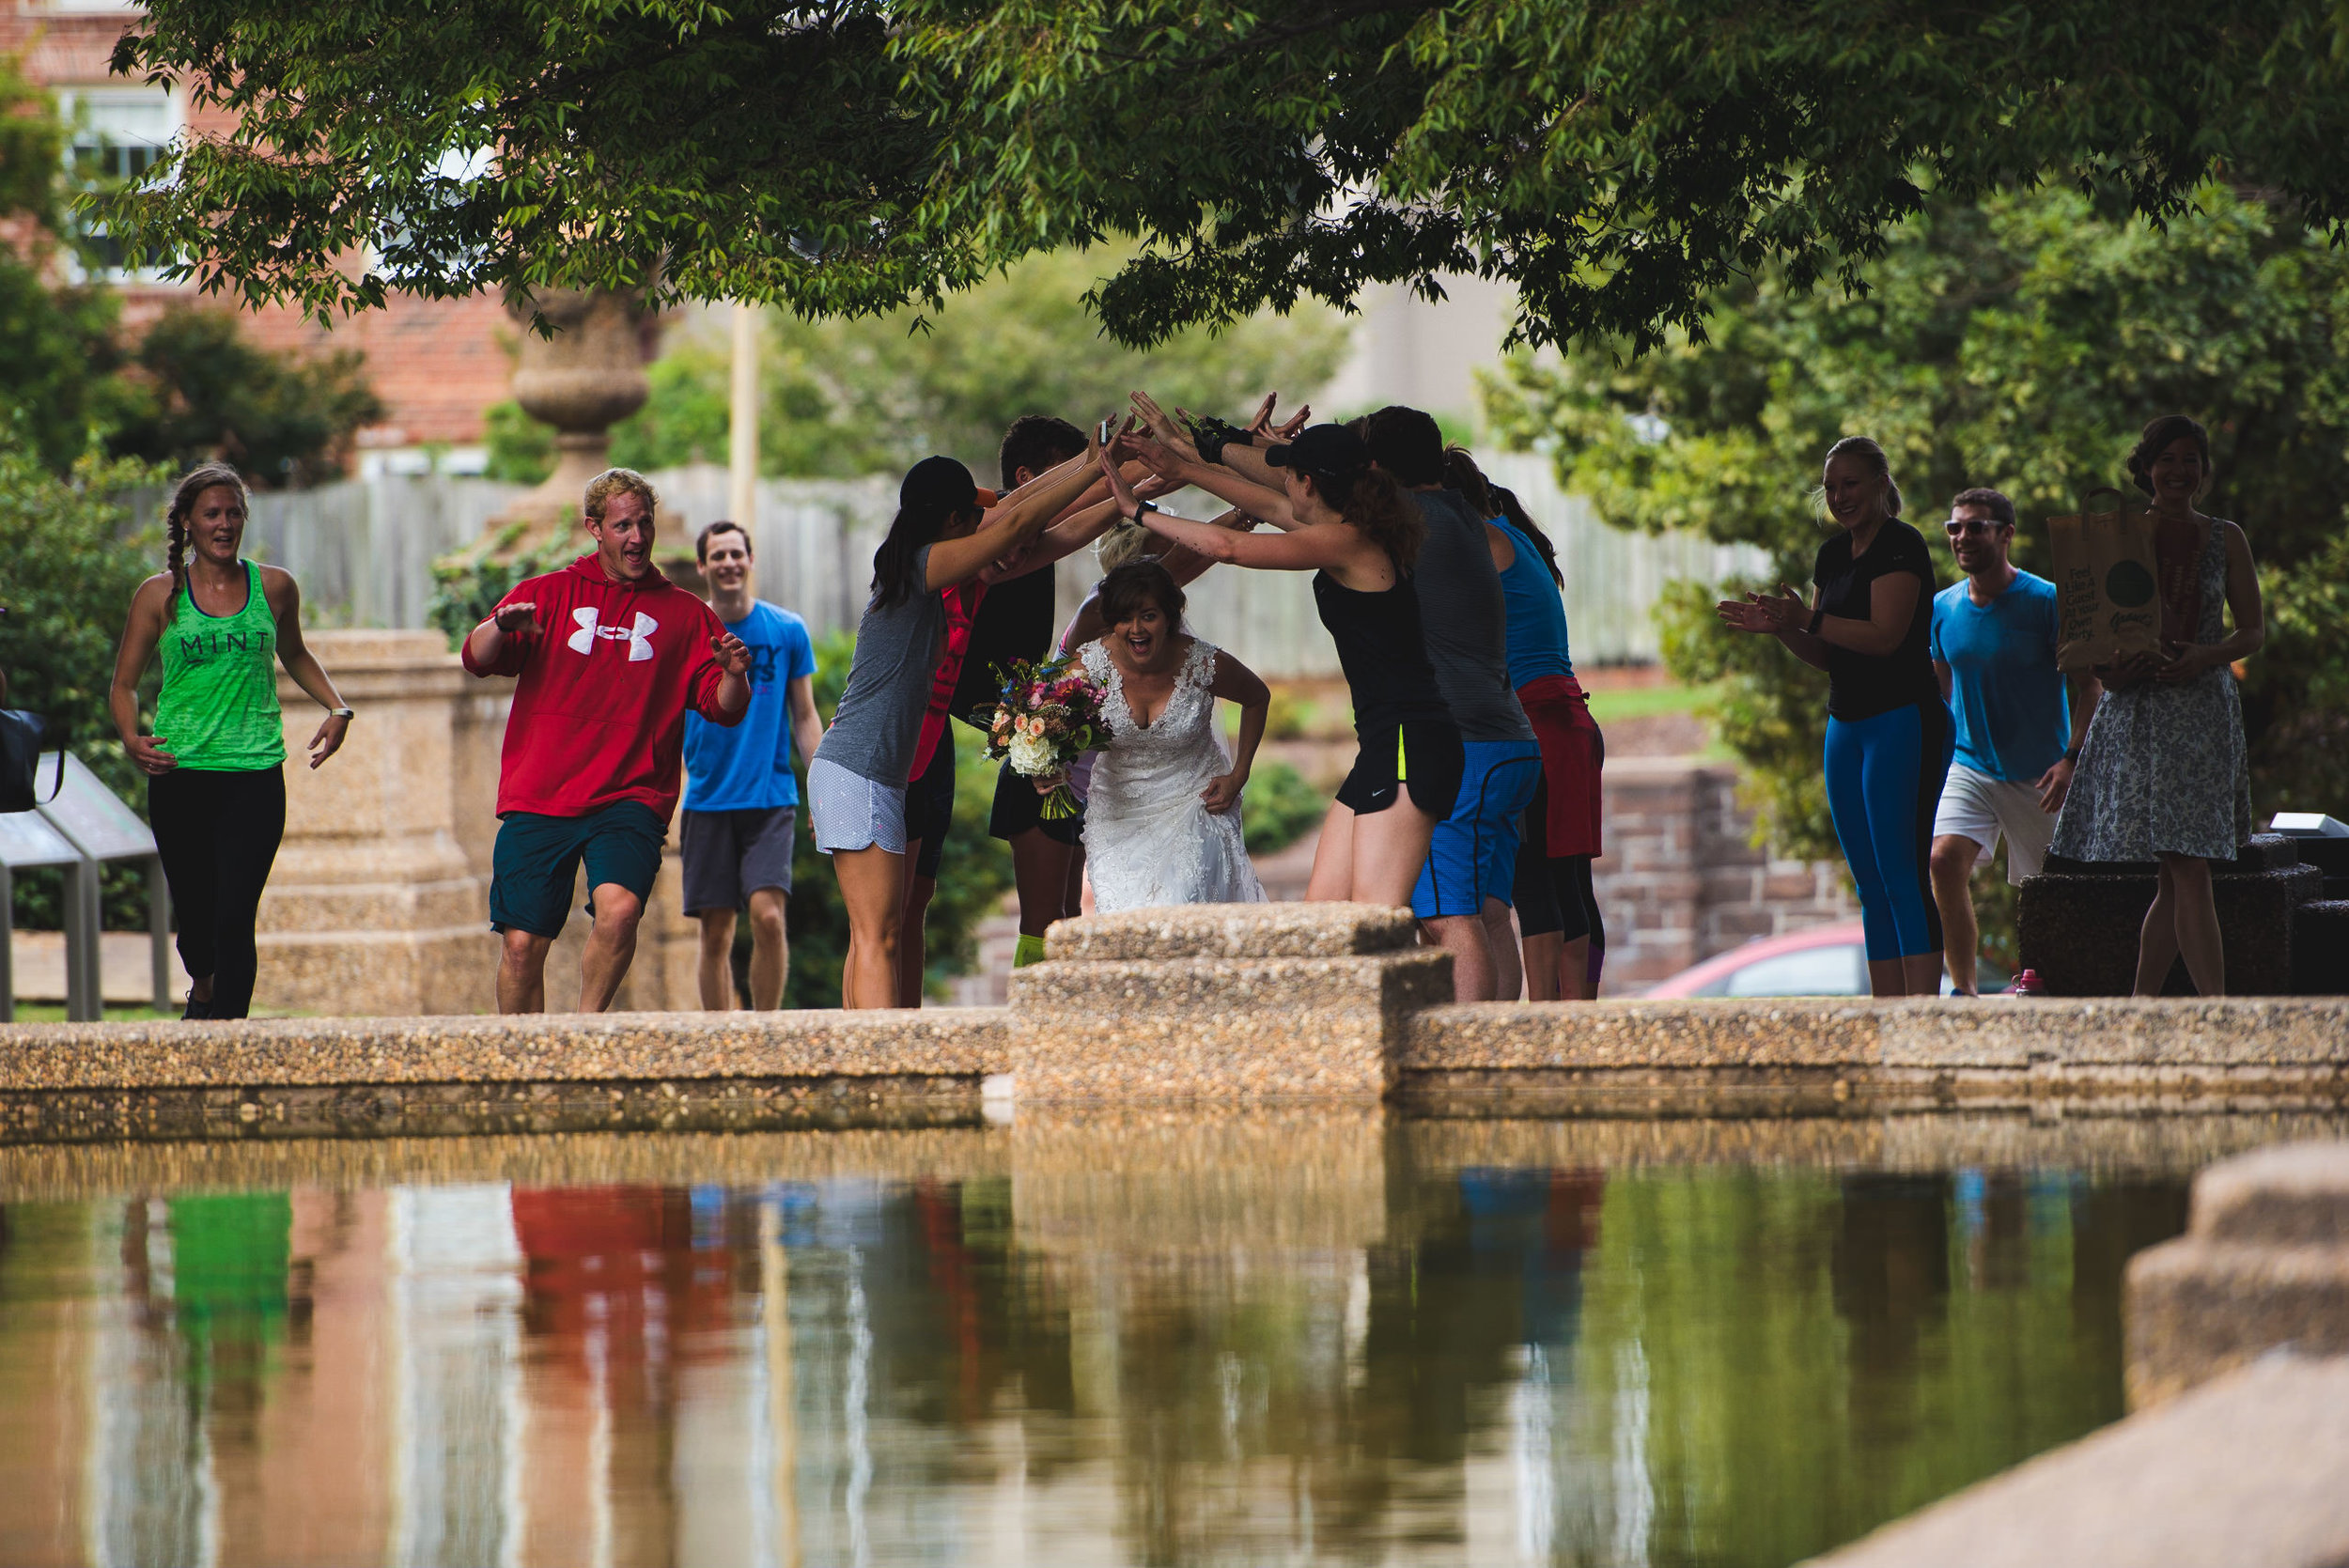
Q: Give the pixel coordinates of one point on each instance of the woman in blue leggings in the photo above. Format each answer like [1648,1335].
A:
[1888,734]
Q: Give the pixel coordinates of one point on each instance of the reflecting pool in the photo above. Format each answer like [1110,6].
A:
[1341,1338]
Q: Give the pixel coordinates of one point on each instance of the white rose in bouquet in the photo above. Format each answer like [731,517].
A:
[1031,755]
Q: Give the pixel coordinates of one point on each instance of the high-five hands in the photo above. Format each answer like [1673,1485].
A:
[1169,434]
[1287,428]
[1770,614]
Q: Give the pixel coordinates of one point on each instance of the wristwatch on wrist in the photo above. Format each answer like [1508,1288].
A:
[2072,755]
[1816,616]
[1142,506]
[340,713]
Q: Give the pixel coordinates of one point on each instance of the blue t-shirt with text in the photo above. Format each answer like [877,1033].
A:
[748,767]
[2005,690]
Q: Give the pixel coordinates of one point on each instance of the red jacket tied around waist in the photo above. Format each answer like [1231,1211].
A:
[598,715]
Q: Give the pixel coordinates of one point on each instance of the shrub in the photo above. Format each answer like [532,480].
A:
[1281,808]
[73,563]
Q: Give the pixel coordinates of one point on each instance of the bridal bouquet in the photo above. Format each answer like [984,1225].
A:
[1050,716]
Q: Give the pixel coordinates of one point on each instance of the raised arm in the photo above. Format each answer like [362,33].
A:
[1080,526]
[1019,518]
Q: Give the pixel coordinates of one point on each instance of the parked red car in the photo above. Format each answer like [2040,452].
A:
[1822,961]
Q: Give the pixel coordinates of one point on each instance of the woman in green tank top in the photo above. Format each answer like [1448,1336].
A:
[215,763]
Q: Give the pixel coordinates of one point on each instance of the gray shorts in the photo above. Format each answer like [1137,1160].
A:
[729,855]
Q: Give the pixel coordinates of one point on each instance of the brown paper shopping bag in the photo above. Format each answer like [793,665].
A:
[2106,575]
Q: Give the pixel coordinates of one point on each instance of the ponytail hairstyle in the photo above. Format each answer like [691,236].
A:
[1375,504]
[937,492]
[1868,452]
[184,495]
[1461,474]
[1509,506]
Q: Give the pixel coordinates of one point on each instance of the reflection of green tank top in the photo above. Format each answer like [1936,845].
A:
[218,707]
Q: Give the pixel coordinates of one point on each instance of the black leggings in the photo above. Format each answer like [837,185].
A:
[1557,896]
[218,835]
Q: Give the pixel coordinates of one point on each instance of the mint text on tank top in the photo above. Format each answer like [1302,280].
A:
[218,709]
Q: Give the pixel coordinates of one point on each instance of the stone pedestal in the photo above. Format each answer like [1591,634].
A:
[2263,1265]
[1227,1001]
[379,904]
[2077,923]
[373,906]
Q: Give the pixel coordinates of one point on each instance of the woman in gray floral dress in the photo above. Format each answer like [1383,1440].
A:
[2162,776]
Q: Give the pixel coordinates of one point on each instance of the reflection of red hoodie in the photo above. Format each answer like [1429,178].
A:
[599,714]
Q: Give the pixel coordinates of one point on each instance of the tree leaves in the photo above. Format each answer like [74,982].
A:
[1619,163]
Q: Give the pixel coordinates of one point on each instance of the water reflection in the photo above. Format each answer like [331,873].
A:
[1167,1344]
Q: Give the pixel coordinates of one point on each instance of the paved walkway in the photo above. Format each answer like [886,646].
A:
[125,960]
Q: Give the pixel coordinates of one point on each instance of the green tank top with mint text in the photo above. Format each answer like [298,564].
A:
[219,710]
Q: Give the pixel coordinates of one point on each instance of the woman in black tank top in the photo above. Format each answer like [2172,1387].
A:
[1354,530]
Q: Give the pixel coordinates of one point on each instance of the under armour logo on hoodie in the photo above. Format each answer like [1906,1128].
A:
[638,637]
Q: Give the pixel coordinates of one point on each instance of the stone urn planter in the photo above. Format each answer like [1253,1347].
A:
[585,378]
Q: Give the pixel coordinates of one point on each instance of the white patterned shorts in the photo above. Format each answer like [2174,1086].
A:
[849,811]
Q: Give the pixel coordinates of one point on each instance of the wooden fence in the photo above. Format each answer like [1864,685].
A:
[363,550]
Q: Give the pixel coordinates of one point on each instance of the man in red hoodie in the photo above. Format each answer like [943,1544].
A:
[590,767]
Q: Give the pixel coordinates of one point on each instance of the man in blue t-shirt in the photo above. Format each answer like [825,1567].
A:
[1994,647]
[741,801]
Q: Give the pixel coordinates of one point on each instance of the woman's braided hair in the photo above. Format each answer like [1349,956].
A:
[184,495]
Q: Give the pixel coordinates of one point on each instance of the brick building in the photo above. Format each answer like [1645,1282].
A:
[437,364]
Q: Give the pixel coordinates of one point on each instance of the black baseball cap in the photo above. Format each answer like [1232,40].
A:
[1322,449]
[942,486]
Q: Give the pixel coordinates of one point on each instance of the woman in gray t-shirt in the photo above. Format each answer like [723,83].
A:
[947,529]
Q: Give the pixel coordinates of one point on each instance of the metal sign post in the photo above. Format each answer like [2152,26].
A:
[27,842]
[96,821]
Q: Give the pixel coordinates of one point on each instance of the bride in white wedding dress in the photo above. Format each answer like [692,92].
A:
[1162,820]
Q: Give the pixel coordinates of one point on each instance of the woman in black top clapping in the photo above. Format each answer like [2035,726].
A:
[1889,735]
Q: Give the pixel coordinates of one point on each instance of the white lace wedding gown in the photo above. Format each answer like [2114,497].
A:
[1149,839]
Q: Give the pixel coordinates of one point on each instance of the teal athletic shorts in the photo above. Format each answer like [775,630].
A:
[536,862]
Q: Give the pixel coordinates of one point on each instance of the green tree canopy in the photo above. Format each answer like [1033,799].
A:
[847,397]
[1619,163]
[2021,342]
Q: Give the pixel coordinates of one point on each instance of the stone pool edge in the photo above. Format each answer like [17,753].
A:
[1809,1054]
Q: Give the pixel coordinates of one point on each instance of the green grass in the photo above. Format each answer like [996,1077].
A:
[1643,702]
[43,1012]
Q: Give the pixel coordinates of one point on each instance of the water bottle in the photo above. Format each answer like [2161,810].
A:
[2027,984]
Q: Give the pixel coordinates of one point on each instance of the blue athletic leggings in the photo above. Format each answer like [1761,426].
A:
[1883,780]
